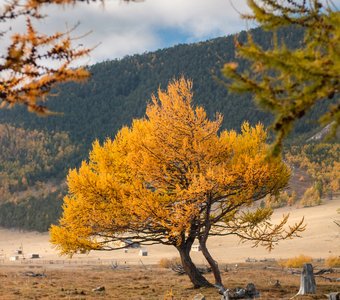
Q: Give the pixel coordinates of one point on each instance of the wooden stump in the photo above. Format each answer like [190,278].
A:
[307,283]
[334,296]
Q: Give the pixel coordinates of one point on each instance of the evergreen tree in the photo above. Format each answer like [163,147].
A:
[289,82]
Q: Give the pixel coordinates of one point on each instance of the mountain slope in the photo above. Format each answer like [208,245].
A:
[118,90]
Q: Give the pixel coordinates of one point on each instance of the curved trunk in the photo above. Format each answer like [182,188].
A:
[212,263]
[197,279]
[202,239]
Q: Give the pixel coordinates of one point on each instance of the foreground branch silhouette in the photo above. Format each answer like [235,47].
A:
[290,82]
[35,62]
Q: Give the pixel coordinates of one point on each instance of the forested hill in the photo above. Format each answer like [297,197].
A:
[118,90]
[31,183]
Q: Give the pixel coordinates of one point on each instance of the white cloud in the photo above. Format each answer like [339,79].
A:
[123,29]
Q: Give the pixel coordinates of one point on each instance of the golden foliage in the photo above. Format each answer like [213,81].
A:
[33,62]
[321,161]
[172,177]
[296,262]
[333,261]
[280,200]
[169,295]
[311,197]
[27,156]
[169,262]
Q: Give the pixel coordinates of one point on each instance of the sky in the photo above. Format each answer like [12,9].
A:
[117,29]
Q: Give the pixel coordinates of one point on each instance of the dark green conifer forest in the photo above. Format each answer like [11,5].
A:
[116,92]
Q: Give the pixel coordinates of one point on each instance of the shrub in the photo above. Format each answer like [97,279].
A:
[296,262]
[280,200]
[169,262]
[169,294]
[311,197]
[333,261]
[274,201]
[319,187]
[292,198]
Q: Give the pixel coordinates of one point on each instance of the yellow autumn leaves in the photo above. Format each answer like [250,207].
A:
[158,177]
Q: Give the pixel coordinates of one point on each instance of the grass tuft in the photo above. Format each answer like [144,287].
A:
[167,263]
[296,262]
[333,261]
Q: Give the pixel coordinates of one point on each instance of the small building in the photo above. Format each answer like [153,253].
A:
[18,252]
[196,248]
[34,255]
[143,252]
[14,258]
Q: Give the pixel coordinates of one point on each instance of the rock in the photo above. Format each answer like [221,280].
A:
[334,296]
[32,274]
[225,295]
[239,293]
[251,290]
[99,289]
[199,297]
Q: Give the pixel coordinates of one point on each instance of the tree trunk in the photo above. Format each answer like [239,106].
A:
[197,279]
[307,285]
[213,264]
[334,296]
[202,239]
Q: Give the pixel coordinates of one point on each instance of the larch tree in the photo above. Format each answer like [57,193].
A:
[290,82]
[34,62]
[172,178]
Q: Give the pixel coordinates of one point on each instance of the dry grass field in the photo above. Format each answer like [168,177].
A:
[320,239]
[149,282]
[75,278]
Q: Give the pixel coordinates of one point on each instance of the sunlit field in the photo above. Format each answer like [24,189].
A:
[148,282]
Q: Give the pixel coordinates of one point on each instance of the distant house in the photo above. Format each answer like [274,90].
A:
[143,252]
[35,255]
[196,248]
[14,258]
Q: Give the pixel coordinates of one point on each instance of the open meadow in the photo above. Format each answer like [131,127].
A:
[140,277]
[320,239]
[192,150]
[148,282]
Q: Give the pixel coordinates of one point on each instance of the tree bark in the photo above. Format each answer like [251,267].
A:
[334,296]
[307,285]
[197,279]
[202,239]
[212,263]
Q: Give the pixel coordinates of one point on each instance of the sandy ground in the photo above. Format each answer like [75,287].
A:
[321,239]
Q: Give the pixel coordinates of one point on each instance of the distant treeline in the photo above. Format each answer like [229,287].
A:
[116,93]
[33,213]
[118,90]
[33,167]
